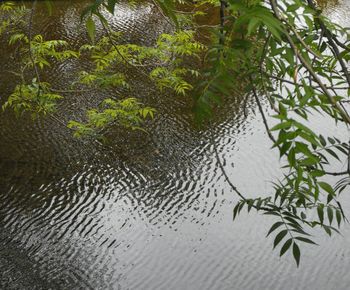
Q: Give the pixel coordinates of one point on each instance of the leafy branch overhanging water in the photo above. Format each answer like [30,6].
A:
[282,52]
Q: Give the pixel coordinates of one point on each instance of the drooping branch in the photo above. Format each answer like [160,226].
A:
[345,116]
[261,62]
[36,70]
[227,178]
[268,131]
[332,40]
[301,85]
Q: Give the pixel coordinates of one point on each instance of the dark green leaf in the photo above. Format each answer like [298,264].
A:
[320,213]
[111,5]
[279,237]
[327,187]
[286,246]
[296,253]
[306,240]
[330,214]
[327,230]
[338,216]
[283,125]
[274,226]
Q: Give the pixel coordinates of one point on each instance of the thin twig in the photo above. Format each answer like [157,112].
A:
[160,10]
[261,62]
[301,85]
[331,37]
[336,173]
[343,114]
[108,33]
[261,111]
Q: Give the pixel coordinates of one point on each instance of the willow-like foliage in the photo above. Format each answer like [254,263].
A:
[281,52]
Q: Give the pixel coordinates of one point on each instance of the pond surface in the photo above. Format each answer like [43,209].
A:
[147,211]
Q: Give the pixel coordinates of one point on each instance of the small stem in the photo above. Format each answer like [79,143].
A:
[262,112]
[307,66]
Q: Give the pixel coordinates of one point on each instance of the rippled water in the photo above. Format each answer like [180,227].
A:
[147,211]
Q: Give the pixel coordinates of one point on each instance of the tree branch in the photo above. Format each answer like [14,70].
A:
[307,66]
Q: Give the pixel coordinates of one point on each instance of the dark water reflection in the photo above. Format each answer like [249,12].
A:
[147,211]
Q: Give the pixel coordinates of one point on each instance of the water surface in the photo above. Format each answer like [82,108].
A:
[147,211]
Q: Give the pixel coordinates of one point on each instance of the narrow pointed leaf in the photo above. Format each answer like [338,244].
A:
[305,240]
[338,216]
[330,214]
[274,226]
[279,237]
[286,246]
[296,253]
[320,213]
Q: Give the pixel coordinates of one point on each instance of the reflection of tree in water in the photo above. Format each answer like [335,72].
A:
[54,187]
[159,156]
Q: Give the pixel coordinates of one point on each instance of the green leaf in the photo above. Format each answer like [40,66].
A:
[236,210]
[327,230]
[338,216]
[274,226]
[305,240]
[309,137]
[253,23]
[331,152]
[322,140]
[320,212]
[303,148]
[325,186]
[283,125]
[331,140]
[304,128]
[330,214]
[317,173]
[285,148]
[286,246]
[279,237]
[167,7]
[296,253]
[329,198]
[91,28]
[111,5]
[291,157]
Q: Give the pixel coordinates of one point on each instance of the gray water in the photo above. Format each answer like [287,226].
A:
[145,211]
